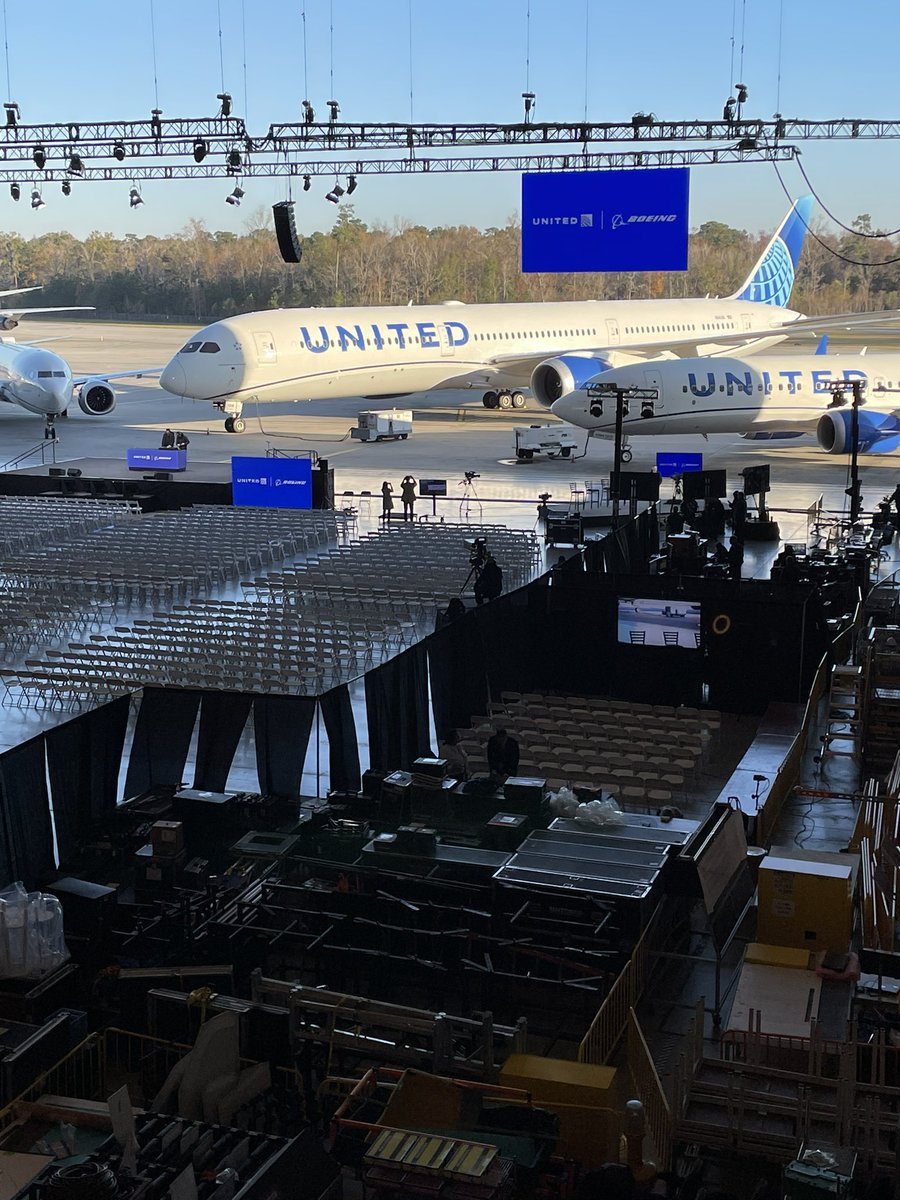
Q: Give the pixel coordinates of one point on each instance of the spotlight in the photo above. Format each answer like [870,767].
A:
[36,199]
[741,89]
[39,154]
[351,184]
[15,191]
[156,122]
[76,166]
[200,150]
[307,183]
[225,97]
[234,160]
[235,198]
[12,114]
[334,108]
[66,188]
[135,199]
[309,113]
[728,111]
[528,98]
[335,194]
[119,152]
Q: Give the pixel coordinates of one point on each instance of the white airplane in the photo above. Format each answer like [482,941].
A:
[383,353]
[40,381]
[769,397]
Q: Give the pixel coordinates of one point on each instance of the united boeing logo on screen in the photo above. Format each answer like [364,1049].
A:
[271,482]
[605,220]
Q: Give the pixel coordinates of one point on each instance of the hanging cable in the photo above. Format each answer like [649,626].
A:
[527,45]
[587,34]
[244,52]
[780,44]
[153,45]
[733,29]
[6,48]
[853,262]
[411,118]
[743,26]
[837,221]
[305,66]
[331,45]
[221,52]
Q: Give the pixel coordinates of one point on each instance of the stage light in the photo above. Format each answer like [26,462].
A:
[12,114]
[15,191]
[335,194]
[119,152]
[334,108]
[225,97]
[135,199]
[307,183]
[234,160]
[741,89]
[156,122]
[39,154]
[351,185]
[528,98]
[76,166]
[37,200]
[728,111]
[235,197]
[309,113]
[200,150]
[66,188]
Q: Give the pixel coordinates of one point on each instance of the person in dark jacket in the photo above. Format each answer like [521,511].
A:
[168,440]
[502,753]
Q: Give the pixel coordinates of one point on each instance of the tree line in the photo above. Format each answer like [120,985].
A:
[198,275]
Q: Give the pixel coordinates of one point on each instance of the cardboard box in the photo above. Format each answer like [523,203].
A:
[167,838]
[806,901]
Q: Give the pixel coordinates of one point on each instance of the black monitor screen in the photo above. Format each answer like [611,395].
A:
[674,623]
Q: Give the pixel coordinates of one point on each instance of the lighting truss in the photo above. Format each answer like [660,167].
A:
[280,166]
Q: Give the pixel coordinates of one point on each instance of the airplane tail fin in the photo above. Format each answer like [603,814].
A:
[772,279]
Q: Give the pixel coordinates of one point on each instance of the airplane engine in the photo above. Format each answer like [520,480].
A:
[557,377]
[7,324]
[96,398]
[879,432]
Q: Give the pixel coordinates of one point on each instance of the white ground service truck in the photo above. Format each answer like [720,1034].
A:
[391,424]
[556,441]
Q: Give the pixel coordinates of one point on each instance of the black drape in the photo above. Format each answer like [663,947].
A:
[282,726]
[25,806]
[397,710]
[459,686]
[223,716]
[83,760]
[162,738]
[343,747]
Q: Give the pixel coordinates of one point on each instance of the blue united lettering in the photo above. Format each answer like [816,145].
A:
[700,389]
[735,381]
[356,337]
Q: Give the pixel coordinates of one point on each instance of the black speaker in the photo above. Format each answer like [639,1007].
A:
[703,485]
[57,471]
[635,485]
[74,472]
[162,475]
[288,244]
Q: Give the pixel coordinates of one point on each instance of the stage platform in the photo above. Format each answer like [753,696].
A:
[200,483]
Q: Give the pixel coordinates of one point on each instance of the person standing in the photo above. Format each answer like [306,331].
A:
[387,502]
[502,753]
[738,515]
[408,496]
[182,441]
[168,440]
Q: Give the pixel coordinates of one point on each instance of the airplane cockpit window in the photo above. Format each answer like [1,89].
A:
[45,374]
[191,347]
[59,374]
[212,348]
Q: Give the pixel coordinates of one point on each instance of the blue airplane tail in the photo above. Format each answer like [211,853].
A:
[772,279]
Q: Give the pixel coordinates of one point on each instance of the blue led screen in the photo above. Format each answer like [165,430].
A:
[271,482]
[676,464]
[605,220]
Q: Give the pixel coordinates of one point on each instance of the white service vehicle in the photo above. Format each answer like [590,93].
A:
[556,441]
[391,424]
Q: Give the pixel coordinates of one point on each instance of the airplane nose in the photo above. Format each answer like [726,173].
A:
[174,379]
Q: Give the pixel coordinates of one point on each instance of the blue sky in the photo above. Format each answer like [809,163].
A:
[93,61]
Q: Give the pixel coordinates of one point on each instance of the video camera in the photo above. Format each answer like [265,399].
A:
[478,551]
[470,475]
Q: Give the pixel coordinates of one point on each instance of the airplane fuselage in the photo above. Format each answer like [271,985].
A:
[774,393]
[308,354]
[34,379]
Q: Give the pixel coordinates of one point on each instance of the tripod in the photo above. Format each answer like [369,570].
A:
[470,502]
[473,576]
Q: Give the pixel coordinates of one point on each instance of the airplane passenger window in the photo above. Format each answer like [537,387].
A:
[210,348]
[190,348]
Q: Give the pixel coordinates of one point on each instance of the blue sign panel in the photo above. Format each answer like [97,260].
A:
[605,220]
[157,460]
[668,465]
[271,482]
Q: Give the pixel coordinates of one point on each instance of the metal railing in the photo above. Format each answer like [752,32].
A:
[650,1092]
[46,449]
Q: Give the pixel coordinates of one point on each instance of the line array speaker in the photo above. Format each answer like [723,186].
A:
[288,243]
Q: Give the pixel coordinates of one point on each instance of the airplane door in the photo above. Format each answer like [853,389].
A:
[265,348]
[746,323]
[612,333]
[653,379]
[444,338]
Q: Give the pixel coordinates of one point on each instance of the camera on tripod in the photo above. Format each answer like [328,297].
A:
[478,551]
[470,475]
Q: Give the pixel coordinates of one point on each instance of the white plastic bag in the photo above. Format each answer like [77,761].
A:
[600,812]
[563,803]
[31,934]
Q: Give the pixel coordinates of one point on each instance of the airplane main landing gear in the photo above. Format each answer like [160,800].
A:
[235,424]
[503,399]
[626,454]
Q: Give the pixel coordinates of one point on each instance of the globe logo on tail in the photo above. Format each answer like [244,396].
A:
[774,279]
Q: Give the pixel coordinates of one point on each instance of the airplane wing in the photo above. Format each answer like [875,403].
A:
[19,291]
[16,313]
[108,376]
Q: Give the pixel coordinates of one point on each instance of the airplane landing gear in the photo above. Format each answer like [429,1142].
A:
[235,424]
[626,454]
[50,430]
[503,399]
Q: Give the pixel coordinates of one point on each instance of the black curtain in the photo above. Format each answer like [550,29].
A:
[25,807]
[397,710]
[343,747]
[223,716]
[459,684]
[83,760]
[162,738]
[282,725]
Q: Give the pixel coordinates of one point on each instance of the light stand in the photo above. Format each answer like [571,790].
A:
[837,388]
[597,393]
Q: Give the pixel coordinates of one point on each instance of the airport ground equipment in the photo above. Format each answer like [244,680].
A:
[553,440]
[389,425]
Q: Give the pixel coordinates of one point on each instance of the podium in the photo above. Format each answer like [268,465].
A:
[156,460]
